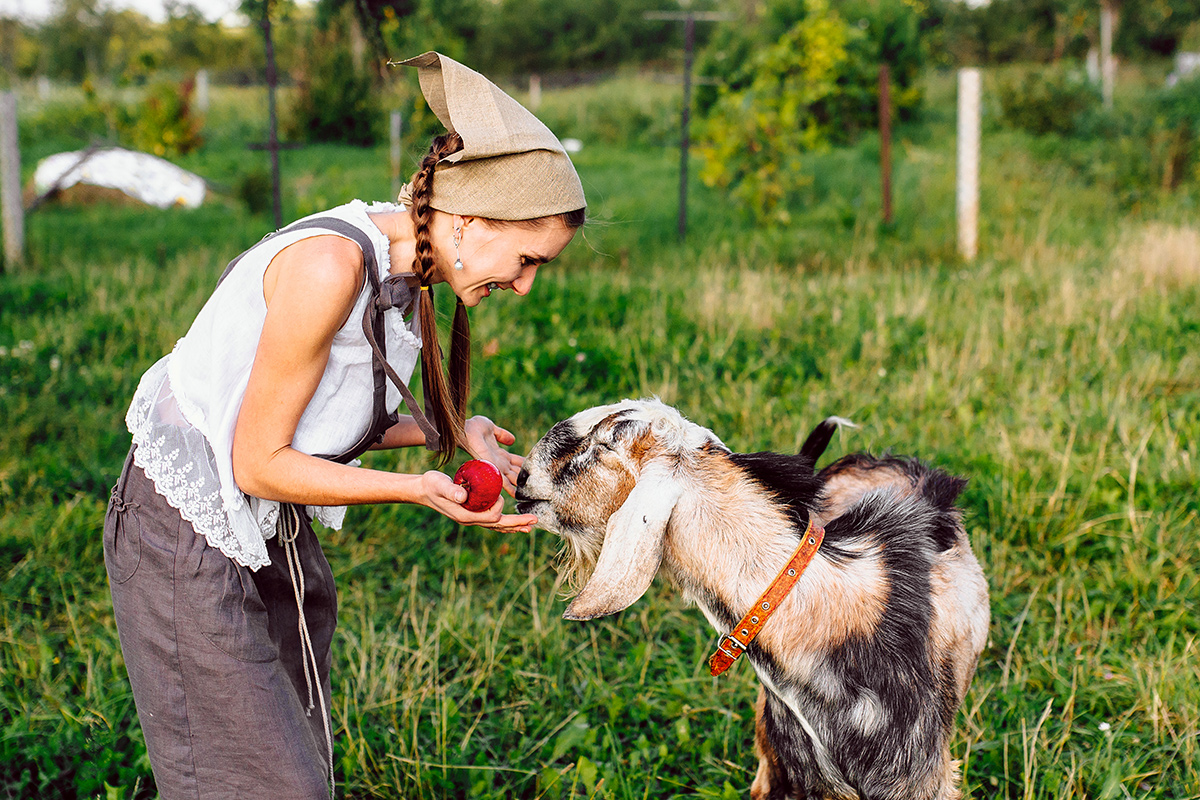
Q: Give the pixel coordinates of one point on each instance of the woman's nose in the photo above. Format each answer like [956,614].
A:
[524,284]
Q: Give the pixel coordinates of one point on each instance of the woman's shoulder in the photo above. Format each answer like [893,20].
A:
[327,266]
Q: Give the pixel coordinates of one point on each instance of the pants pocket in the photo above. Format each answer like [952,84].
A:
[226,605]
[122,538]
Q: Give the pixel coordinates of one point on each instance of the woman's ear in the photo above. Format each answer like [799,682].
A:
[463,222]
[633,547]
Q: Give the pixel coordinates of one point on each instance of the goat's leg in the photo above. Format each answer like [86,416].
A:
[950,784]
[770,782]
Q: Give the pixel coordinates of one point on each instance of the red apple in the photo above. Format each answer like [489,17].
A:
[483,483]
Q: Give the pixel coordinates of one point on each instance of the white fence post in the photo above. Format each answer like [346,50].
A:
[202,91]
[968,163]
[10,181]
[395,127]
[535,91]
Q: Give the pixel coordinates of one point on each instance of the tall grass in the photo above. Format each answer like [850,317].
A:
[1059,373]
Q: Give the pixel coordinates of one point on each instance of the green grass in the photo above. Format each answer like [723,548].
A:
[1060,373]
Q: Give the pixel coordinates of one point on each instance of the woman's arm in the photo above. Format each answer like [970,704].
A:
[310,288]
[405,433]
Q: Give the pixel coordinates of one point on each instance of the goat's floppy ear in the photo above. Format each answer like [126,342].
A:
[633,547]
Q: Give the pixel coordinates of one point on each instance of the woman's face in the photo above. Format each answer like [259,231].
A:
[496,256]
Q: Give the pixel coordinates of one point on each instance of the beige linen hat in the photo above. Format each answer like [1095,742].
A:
[511,165]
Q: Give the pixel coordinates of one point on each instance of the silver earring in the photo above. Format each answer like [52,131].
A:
[458,265]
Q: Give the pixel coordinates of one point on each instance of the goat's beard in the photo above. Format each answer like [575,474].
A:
[576,560]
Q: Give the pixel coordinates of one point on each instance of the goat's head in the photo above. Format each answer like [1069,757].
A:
[607,480]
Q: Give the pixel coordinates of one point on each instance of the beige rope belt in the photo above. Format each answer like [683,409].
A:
[289,528]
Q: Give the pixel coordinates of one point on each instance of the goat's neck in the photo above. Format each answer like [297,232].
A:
[727,542]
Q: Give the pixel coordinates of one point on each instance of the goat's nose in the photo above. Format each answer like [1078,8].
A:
[522,477]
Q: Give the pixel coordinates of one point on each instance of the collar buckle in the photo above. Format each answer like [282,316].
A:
[728,641]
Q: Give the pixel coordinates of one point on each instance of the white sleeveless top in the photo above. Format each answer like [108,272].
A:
[186,406]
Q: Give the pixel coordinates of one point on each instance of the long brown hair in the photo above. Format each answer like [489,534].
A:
[446,397]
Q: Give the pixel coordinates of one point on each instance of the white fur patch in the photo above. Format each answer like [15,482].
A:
[828,768]
[868,714]
[675,432]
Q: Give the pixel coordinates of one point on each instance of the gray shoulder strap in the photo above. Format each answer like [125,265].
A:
[332,224]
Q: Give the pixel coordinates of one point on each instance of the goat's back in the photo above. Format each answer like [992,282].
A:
[958,590]
[884,701]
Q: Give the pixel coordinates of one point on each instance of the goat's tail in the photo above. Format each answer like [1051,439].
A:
[814,446]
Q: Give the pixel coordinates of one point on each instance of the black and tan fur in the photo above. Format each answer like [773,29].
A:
[864,665]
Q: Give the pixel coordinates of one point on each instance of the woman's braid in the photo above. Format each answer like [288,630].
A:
[445,401]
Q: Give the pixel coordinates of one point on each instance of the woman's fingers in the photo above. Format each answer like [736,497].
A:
[442,493]
[505,437]
[510,471]
[514,523]
[447,497]
[505,523]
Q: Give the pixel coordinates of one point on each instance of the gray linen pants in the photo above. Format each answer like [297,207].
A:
[214,654]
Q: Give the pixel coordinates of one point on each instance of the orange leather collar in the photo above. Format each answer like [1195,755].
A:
[734,643]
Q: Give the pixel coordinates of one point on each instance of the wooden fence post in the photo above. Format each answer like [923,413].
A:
[273,129]
[689,45]
[968,163]
[10,182]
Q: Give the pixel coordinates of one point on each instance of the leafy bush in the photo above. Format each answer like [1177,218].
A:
[335,102]
[891,34]
[755,137]
[164,123]
[1147,145]
[1046,101]
[883,31]
[254,189]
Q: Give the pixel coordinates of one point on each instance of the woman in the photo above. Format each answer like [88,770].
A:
[224,601]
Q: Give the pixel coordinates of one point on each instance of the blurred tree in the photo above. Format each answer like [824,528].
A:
[18,50]
[135,50]
[365,21]
[549,35]
[1047,30]
[192,41]
[290,25]
[75,39]
[891,31]
[336,101]
[448,26]
[757,136]
[1154,27]
[509,38]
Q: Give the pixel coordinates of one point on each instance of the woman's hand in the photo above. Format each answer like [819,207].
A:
[484,440]
[442,494]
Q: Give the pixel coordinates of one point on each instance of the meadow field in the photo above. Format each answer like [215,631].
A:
[1059,373]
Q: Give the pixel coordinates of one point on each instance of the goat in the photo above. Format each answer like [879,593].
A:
[865,662]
